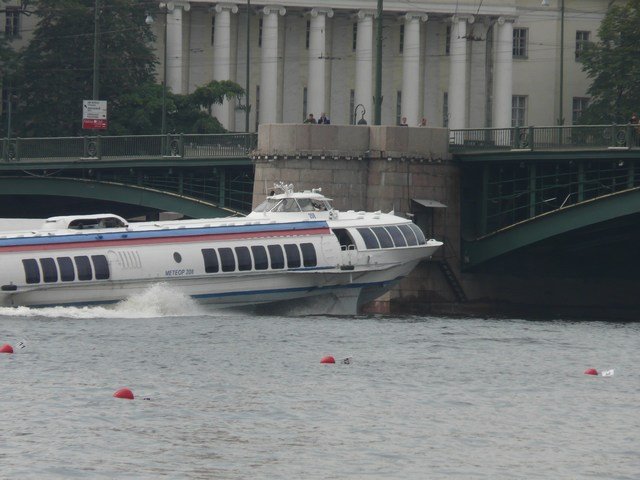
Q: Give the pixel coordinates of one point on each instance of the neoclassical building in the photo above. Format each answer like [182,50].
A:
[464,63]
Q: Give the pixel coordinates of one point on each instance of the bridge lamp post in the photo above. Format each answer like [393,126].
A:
[545,3]
[149,21]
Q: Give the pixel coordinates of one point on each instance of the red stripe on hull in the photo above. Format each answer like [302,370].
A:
[161,240]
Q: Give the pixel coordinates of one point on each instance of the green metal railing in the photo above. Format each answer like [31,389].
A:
[225,145]
[572,137]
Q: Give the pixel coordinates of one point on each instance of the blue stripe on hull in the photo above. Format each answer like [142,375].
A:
[182,232]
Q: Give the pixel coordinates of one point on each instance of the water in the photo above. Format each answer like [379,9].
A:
[240,396]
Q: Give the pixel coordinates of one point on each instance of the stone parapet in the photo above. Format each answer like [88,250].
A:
[344,141]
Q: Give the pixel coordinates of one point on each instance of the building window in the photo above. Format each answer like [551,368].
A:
[445,109]
[304,104]
[579,106]
[354,37]
[257,100]
[260,33]
[398,107]
[518,110]
[12,22]
[447,41]
[401,49]
[352,107]
[308,34]
[582,38]
[213,28]
[520,42]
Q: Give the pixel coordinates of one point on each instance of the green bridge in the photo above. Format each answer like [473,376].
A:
[196,175]
[564,193]
[542,189]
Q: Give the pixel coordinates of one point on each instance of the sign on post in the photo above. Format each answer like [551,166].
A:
[94,114]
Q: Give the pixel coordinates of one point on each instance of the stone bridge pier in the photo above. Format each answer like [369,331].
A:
[405,169]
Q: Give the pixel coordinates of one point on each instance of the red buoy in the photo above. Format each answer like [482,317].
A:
[6,348]
[328,359]
[591,371]
[124,393]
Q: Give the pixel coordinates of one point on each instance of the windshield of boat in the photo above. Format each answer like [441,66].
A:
[293,205]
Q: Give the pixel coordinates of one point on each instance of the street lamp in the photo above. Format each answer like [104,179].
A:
[149,21]
[545,3]
[96,51]
[362,121]
[377,99]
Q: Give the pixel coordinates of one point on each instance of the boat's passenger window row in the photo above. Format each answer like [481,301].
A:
[259,257]
[63,269]
[392,236]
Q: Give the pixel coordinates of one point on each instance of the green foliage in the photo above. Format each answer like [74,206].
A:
[57,65]
[613,65]
[55,74]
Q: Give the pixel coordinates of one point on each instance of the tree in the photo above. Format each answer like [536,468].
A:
[140,111]
[613,65]
[57,65]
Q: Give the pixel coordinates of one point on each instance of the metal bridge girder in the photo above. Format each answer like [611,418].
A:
[552,224]
[112,191]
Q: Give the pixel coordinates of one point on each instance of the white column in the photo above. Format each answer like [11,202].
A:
[503,71]
[317,61]
[411,67]
[174,46]
[458,72]
[269,64]
[222,60]
[364,64]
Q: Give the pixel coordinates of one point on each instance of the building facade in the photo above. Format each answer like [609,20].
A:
[459,64]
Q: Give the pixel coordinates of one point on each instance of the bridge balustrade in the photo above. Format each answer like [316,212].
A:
[128,147]
[570,137]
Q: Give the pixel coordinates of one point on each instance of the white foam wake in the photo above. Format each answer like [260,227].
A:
[159,300]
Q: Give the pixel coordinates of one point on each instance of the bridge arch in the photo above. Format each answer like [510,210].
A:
[552,224]
[113,191]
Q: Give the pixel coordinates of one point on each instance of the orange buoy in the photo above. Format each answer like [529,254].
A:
[591,371]
[6,348]
[124,393]
[328,359]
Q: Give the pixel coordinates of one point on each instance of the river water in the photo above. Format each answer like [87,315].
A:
[246,397]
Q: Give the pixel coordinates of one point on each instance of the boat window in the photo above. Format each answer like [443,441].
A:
[277,257]
[31,270]
[84,268]
[408,234]
[210,260]
[266,206]
[383,237]
[419,234]
[396,235]
[309,258]
[343,237]
[244,258]
[286,205]
[260,259]
[293,255]
[370,240]
[227,259]
[49,270]
[67,272]
[101,267]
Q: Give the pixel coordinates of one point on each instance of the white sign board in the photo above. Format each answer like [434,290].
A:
[94,114]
